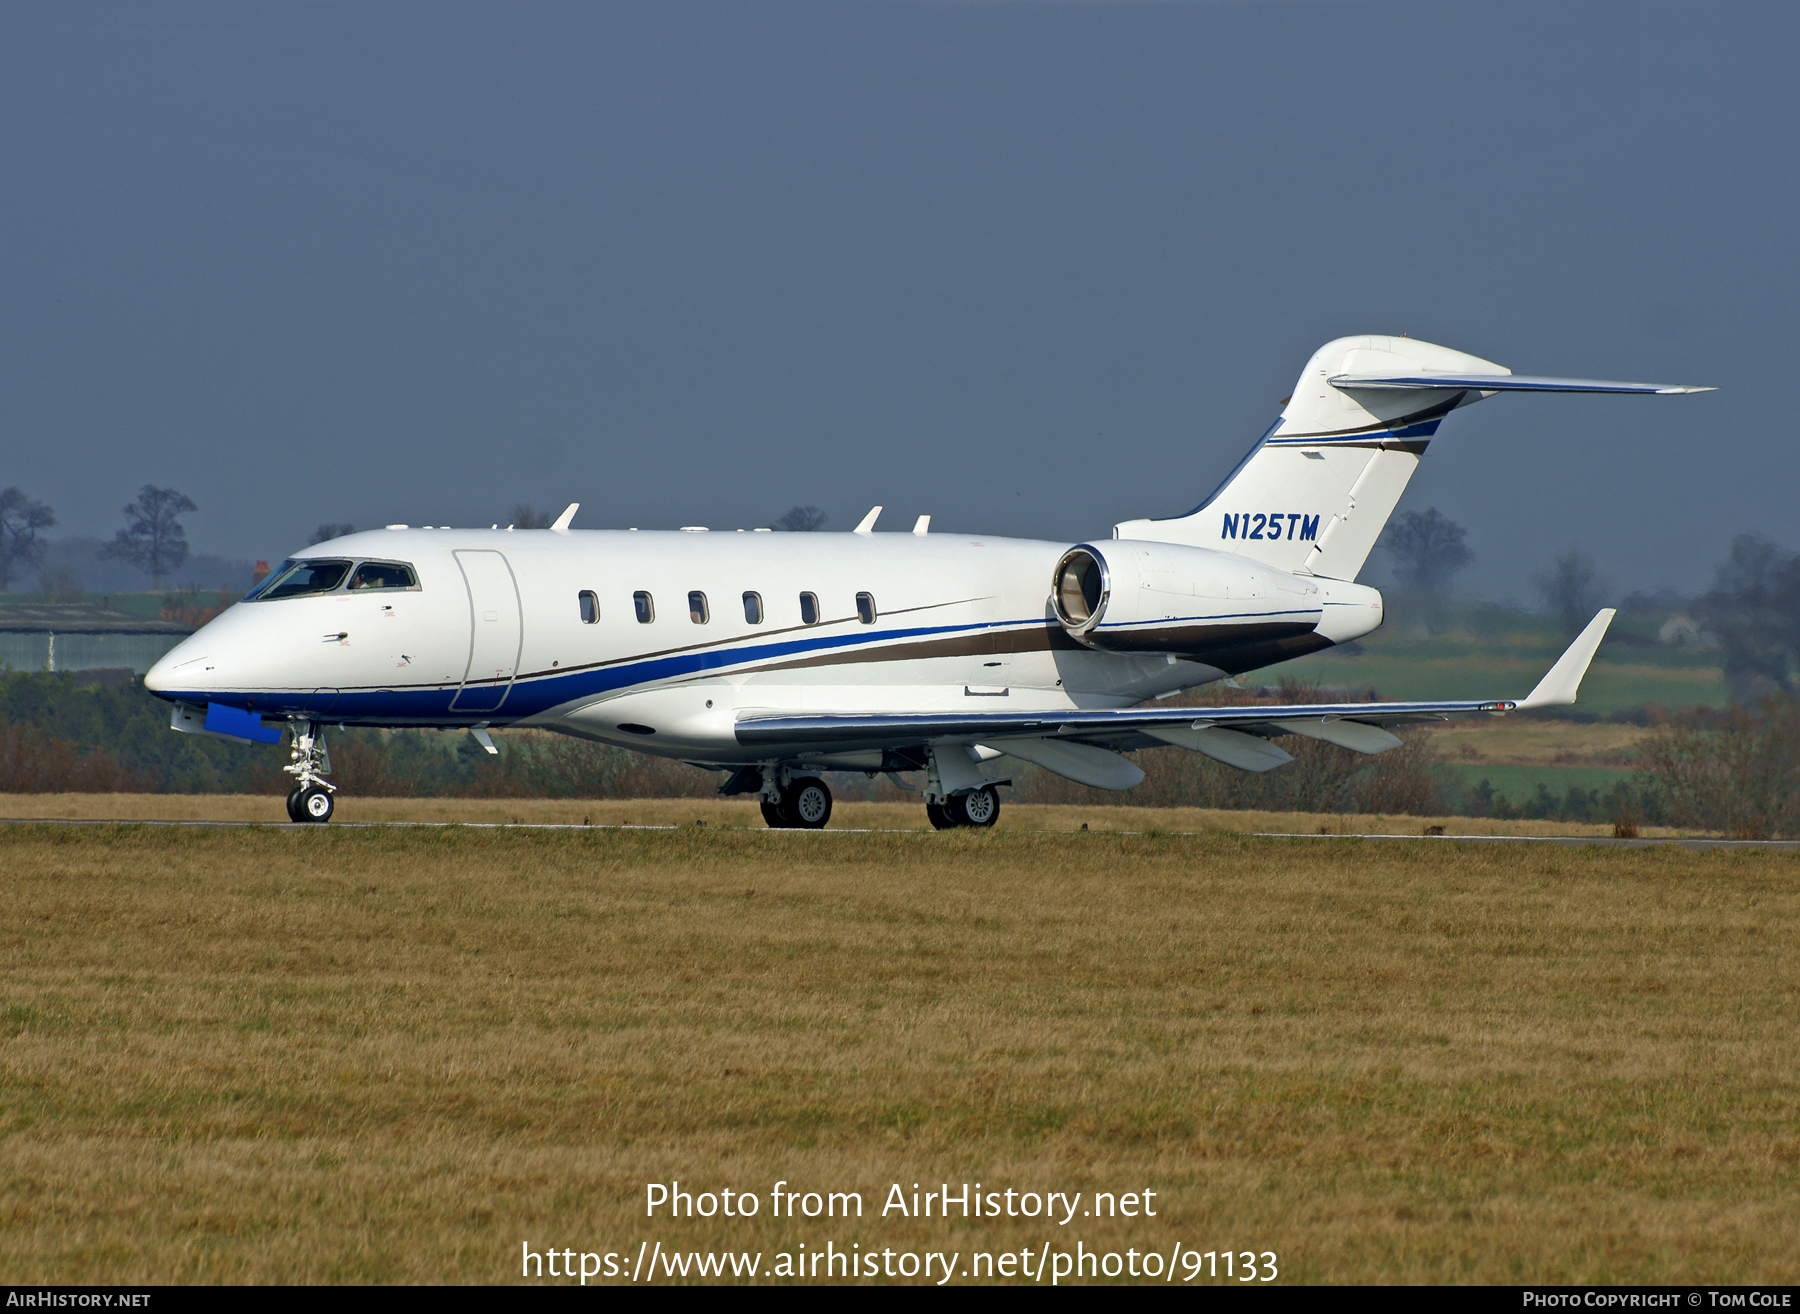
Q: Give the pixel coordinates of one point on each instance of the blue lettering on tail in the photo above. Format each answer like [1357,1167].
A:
[1268,524]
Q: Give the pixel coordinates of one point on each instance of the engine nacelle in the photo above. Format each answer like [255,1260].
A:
[1139,597]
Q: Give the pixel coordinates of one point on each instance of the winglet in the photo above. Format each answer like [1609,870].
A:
[562,522]
[1559,685]
[868,522]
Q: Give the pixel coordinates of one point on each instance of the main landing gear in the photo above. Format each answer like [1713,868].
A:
[311,798]
[978,807]
[804,803]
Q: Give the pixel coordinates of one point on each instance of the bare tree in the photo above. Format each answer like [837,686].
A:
[153,539]
[800,520]
[325,533]
[1736,771]
[523,517]
[20,547]
[1754,609]
[1428,549]
[1571,589]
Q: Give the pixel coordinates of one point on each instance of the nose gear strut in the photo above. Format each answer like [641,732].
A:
[311,798]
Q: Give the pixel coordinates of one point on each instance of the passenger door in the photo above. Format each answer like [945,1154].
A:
[496,631]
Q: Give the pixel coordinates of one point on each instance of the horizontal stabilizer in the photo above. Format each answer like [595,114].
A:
[1561,681]
[1500,383]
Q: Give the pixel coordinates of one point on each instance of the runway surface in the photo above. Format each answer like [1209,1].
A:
[1604,841]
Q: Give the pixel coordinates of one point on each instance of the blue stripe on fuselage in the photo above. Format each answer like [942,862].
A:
[530,695]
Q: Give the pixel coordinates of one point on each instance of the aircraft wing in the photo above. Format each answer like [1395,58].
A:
[1237,735]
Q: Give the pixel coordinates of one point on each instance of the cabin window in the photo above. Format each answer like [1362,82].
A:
[865,608]
[809,608]
[697,610]
[590,607]
[646,607]
[753,612]
[297,578]
[384,575]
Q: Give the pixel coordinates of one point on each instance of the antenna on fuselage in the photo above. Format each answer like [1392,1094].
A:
[922,526]
[868,522]
[561,524]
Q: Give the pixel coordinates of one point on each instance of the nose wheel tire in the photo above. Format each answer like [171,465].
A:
[293,804]
[775,818]
[939,818]
[808,803]
[314,805]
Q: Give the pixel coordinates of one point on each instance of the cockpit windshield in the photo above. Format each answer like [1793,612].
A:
[384,575]
[298,578]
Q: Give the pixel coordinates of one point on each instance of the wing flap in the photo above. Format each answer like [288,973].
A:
[1232,747]
[1082,763]
[1354,735]
[1354,725]
[836,731]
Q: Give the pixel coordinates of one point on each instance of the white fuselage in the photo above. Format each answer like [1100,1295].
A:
[497,632]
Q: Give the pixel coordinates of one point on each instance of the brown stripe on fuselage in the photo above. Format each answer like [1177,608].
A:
[1232,643]
[982,643]
[1181,639]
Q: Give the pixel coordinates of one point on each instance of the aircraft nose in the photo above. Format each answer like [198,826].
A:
[183,667]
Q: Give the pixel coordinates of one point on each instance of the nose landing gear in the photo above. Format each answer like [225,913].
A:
[310,803]
[311,798]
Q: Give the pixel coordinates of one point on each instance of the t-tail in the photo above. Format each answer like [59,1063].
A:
[1313,494]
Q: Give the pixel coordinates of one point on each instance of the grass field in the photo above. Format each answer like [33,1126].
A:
[1517,754]
[1520,783]
[335,1055]
[743,814]
[1505,657]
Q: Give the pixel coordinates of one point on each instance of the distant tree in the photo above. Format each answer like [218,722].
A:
[800,520]
[325,533]
[1571,589]
[20,546]
[1428,549]
[1754,609]
[524,517]
[61,585]
[153,539]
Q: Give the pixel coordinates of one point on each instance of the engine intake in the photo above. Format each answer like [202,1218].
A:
[1082,590]
[1145,597]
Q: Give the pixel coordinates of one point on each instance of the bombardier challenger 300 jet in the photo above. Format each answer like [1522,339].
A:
[779,656]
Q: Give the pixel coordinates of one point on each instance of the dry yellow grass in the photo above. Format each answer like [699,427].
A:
[1524,741]
[743,813]
[330,1055]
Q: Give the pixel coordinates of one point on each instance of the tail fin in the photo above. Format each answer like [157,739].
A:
[1313,494]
